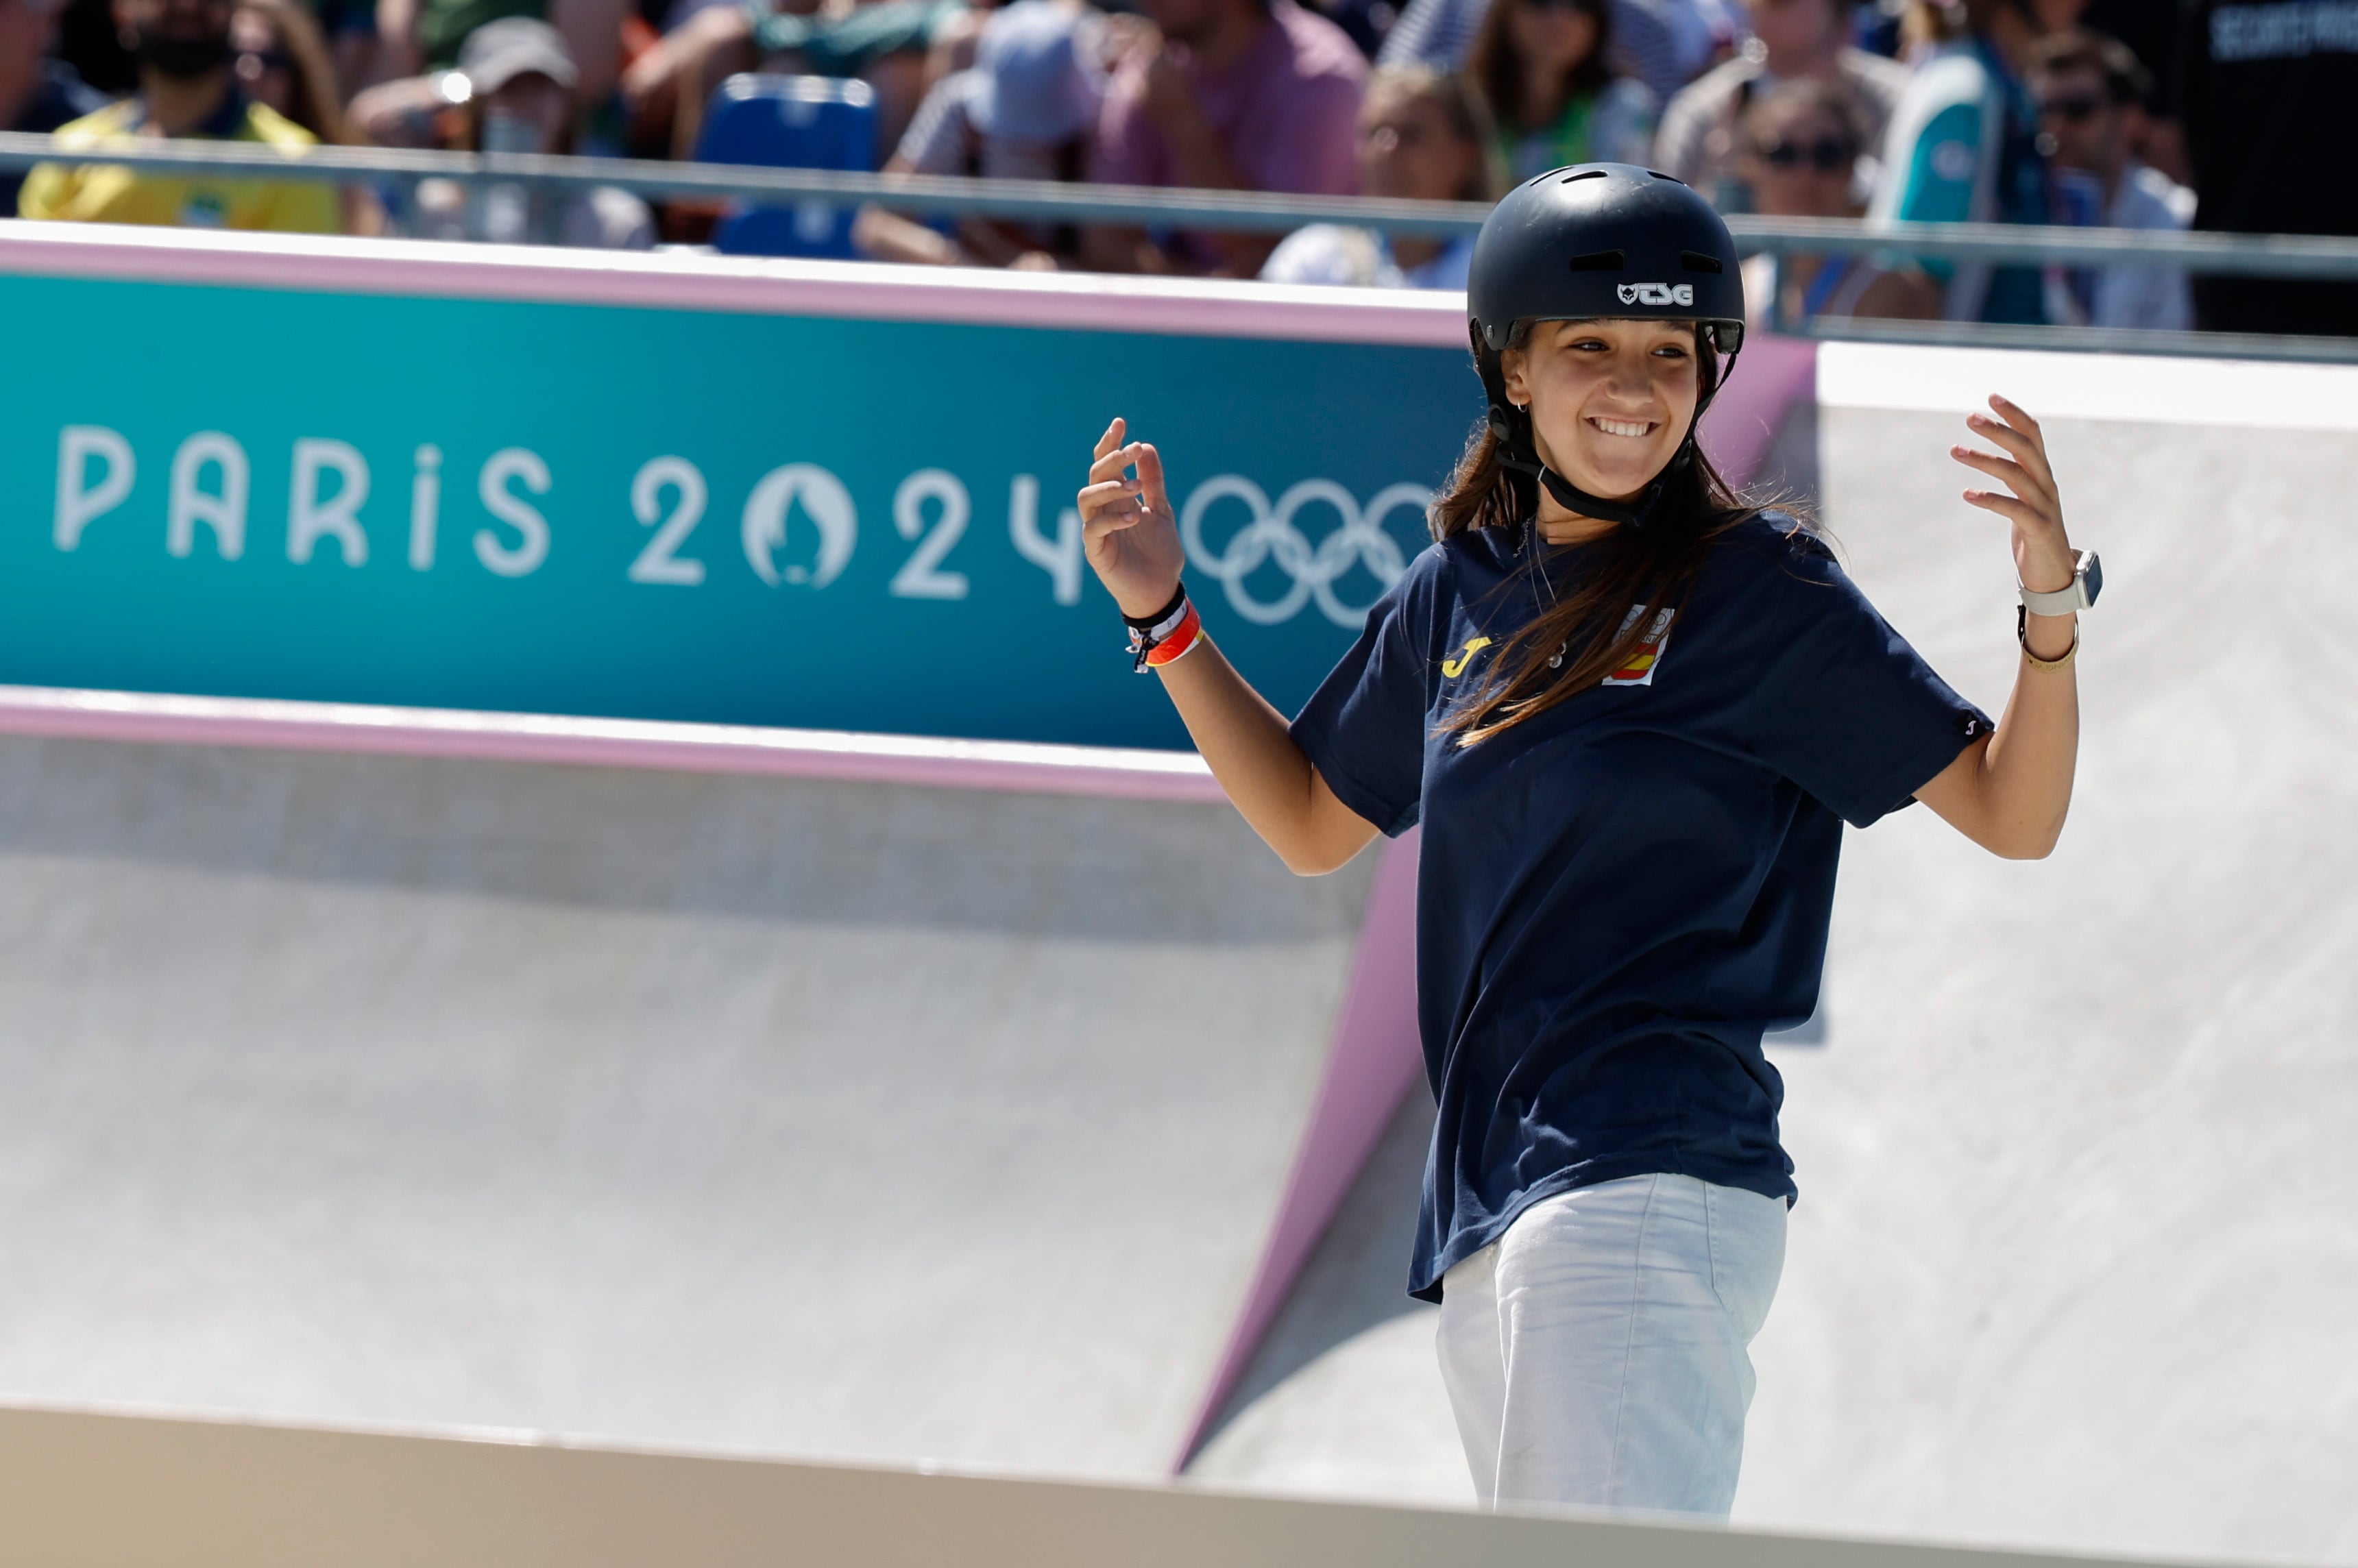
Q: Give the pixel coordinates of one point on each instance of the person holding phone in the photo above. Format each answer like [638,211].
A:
[1632,714]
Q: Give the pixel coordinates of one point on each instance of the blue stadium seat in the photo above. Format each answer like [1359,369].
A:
[789,121]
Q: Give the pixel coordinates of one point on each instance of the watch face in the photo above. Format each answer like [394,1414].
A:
[2093,573]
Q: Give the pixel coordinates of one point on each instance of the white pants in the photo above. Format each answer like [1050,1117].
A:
[1597,1354]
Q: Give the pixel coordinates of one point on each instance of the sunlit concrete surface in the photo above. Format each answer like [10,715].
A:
[77,1488]
[1343,1396]
[2076,1259]
[795,1117]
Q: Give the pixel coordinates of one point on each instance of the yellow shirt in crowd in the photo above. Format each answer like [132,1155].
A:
[101,193]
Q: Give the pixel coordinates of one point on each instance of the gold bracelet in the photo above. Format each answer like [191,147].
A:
[2036,663]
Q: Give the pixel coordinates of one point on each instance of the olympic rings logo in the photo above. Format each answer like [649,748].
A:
[1270,535]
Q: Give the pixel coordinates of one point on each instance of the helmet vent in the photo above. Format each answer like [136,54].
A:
[1600,261]
[1583,174]
[1696,261]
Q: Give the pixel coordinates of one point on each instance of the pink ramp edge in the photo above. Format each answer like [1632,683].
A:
[1373,1061]
[1772,376]
[757,286]
[141,717]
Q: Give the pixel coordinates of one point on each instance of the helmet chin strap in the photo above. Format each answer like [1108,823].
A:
[1629,513]
[1519,451]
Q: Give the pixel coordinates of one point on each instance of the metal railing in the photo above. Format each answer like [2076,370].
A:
[1052,200]
[2249,256]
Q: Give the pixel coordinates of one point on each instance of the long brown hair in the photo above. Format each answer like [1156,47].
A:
[1496,67]
[319,106]
[1593,624]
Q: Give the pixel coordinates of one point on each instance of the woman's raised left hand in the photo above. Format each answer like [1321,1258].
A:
[2042,551]
[2009,790]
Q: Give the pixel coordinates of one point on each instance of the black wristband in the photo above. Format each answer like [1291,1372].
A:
[1147,623]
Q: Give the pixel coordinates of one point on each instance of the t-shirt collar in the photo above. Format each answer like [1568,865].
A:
[226,122]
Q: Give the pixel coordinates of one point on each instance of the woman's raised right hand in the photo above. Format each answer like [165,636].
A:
[1128,531]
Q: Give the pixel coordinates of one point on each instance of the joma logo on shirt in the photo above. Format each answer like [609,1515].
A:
[1658,294]
[1452,669]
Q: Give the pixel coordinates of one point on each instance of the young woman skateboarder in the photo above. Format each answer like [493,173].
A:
[1632,714]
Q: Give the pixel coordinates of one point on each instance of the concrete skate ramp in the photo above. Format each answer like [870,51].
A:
[2076,1254]
[788,1116]
[1342,1397]
[106,1490]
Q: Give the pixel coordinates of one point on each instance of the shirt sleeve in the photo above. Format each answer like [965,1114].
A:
[1932,151]
[1844,707]
[1322,253]
[1686,128]
[1364,728]
[935,141]
[45,191]
[1314,148]
[1645,46]
[1429,33]
[1128,152]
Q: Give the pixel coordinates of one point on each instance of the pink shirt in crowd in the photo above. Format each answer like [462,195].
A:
[1287,113]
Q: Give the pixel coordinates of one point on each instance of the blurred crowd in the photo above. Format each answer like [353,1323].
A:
[2153,114]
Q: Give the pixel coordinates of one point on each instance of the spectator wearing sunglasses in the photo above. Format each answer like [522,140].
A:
[1540,68]
[1798,148]
[1790,40]
[282,61]
[2087,89]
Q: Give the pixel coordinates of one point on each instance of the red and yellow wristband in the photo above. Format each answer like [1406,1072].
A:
[1184,636]
[1156,640]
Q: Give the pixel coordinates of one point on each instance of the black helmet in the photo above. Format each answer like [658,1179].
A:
[1593,241]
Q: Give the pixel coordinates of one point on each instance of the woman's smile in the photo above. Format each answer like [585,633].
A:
[1609,399]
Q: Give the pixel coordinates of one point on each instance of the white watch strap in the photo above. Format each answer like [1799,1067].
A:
[2063,601]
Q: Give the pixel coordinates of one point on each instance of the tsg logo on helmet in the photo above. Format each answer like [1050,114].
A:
[1657,294]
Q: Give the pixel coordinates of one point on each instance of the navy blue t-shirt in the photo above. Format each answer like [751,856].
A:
[1616,898]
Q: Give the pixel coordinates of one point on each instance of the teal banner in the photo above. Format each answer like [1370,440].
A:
[666,513]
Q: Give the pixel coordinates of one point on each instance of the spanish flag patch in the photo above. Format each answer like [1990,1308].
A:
[1638,668]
